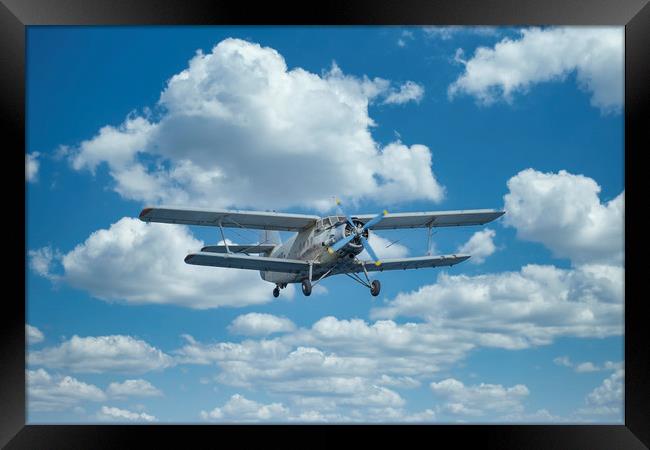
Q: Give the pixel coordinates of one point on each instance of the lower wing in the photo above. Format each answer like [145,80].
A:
[407,263]
[240,261]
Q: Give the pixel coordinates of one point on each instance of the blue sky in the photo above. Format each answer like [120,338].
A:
[404,118]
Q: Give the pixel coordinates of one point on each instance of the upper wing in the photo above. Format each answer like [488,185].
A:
[433,219]
[240,219]
[239,261]
[407,263]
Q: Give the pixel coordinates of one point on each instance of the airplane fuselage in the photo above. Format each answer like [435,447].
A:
[312,244]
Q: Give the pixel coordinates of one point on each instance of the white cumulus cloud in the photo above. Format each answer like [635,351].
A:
[478,400]
[605,400]
[518,309]
[46,392]
[133,388]
[238,127]
[349,370]
[256,324]
[117,353]
[446,33]
[409,91]
[140,263]
[480,246]
[345,370]
[323,370]
[563,361]
[594,54]
[587,366]
[610,392]
[239,408]
[31,166]
[34,335]
[563,212]
[405,36]
[112,414]
[42,260]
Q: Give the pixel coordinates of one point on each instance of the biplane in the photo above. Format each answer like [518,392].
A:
[321,246]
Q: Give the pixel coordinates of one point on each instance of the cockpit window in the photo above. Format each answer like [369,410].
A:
[327,222]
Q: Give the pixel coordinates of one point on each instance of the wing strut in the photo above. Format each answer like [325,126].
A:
[322,276]
[429,239]
[365,272]
[224,238]
[357,278]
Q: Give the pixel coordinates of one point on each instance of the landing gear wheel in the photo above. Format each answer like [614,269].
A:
[306,287]
[276,292]
[375,288]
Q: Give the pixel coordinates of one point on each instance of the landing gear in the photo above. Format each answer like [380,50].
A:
[276,292]
[306,287]
[375,287]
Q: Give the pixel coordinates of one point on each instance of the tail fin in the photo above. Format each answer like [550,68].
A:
[270,237]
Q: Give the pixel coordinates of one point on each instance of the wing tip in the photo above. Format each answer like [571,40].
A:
[459,259]
[495,214]
[144,213]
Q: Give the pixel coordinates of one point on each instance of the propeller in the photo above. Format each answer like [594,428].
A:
[338,204]
[357,231]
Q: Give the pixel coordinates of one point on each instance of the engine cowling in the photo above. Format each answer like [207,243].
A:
[343,230]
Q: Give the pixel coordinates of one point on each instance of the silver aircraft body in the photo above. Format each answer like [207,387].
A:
[321,247]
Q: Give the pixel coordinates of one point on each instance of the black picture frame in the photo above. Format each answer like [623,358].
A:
[15,15]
